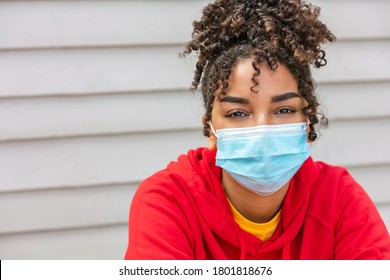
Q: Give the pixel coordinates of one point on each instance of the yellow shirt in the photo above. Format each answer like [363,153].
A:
[262,231]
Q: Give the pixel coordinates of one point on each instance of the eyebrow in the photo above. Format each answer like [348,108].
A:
[233,99]
[274,99]
[285,96]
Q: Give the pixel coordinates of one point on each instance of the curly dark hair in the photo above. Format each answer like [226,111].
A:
[284,31]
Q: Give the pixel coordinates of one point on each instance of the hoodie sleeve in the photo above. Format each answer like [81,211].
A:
[360,232]
[158,228]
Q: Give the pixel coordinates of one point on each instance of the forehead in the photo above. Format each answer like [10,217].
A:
[244,78]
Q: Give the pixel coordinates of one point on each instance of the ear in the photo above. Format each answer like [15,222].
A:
[212,141]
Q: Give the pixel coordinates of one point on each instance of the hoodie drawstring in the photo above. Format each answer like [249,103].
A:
[242,247]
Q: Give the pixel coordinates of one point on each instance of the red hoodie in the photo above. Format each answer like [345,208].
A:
[182,212]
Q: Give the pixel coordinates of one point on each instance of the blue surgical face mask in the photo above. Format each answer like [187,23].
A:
[262,158]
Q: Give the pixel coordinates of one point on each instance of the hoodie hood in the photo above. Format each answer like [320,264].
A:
[203,179]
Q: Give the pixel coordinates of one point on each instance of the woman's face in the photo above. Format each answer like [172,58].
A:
[277,100]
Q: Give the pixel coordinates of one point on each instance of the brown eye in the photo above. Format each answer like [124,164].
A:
[286,111]
[237,114]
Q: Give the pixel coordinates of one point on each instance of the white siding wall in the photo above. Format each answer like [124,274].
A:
[93,99]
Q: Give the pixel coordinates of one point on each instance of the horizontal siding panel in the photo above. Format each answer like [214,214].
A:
[374,179]
[351,19]
[106,160]
[48,117]
[346,143]
[355,61]
[92,160]
[86,71]
[104,243]
[64,208]
[102,114]
[355,100]
[42,24]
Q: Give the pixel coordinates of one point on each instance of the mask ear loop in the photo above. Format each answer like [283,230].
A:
[307,124]
[212,130]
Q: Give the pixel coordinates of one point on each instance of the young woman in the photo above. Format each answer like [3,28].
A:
[255,192]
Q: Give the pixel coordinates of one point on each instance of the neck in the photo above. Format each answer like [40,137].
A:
[254,207]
